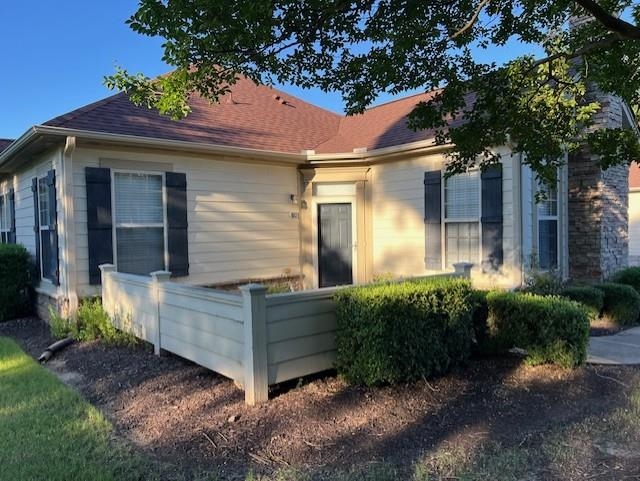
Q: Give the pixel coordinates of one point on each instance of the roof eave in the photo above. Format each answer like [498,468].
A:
[377,155]
[134,141]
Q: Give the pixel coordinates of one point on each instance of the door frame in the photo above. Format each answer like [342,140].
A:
[342,199]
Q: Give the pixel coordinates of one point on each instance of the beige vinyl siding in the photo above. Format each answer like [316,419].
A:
[634,227]
[301,334]
[239,214]
[397,192]
[24,215]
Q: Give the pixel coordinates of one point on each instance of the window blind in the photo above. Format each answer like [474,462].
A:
[462,196]
[138,199]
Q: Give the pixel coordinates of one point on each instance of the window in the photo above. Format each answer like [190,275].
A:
[462,218]
[548,228]
[139,222]
[5,219]
[47,237]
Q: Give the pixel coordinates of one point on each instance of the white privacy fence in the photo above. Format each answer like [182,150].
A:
[254,338]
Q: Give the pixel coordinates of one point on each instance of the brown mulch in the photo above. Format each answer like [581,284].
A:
[195,419]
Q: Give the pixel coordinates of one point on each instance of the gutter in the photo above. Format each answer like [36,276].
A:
[132,140]
[18,144]
[422,146]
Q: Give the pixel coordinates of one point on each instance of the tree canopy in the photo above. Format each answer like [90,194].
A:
[541,105]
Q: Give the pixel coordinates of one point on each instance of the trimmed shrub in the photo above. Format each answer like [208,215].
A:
[396,332]
[629,276]
[591,298]
[15,281]
[621,303]
[549,328]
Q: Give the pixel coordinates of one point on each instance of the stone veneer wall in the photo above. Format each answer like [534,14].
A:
[598,207]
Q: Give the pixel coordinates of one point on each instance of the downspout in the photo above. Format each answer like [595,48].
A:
[69,228]
[519,216]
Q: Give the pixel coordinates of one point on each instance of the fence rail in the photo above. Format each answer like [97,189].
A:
[251,337]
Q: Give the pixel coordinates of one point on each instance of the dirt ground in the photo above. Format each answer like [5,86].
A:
[194,419]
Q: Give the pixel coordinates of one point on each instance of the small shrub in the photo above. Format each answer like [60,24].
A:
[591,298]
[61,327]
[621,303]
[15,281]
[549,328]
[543,283]
[629,276]
[396,332]
[93,322]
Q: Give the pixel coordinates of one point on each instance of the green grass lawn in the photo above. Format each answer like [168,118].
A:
[47,431]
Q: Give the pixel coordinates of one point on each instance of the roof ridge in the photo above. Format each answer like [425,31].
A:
[384,104]
[73,114]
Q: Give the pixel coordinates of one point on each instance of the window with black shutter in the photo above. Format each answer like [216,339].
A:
[463,219]
[143,228]
[46,226]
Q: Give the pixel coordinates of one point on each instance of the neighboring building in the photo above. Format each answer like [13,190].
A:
[264,185]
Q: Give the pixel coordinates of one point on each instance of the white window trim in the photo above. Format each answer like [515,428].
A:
[41,228]
[466,220]
[5,214]
[115,225]
[540,218]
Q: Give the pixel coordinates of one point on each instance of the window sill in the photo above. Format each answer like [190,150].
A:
[48,289]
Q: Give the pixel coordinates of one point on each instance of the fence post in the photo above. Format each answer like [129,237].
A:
[158,278]
[105,269]
[254,317]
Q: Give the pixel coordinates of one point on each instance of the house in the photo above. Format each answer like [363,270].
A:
[264,185]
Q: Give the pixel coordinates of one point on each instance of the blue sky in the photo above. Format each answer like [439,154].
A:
[55,54]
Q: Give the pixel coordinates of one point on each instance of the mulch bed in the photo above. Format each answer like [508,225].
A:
[194,419]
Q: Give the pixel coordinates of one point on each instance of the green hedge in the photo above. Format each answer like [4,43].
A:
[395,332]
[549,328]
[629,276]
[15,276]
[621,303]
[480,314]
[590,297]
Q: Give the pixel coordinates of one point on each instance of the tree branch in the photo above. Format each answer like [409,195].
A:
[603,42]
[472,20]
[624,29]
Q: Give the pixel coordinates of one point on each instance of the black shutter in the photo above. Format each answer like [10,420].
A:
[12,213]
[99,220]
[433,219]
[36,224]
[177,238]
[492,252]
[53,269]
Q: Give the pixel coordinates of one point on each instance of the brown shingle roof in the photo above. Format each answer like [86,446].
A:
[252,116]
[4,143]
[378,127]
[255,117]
